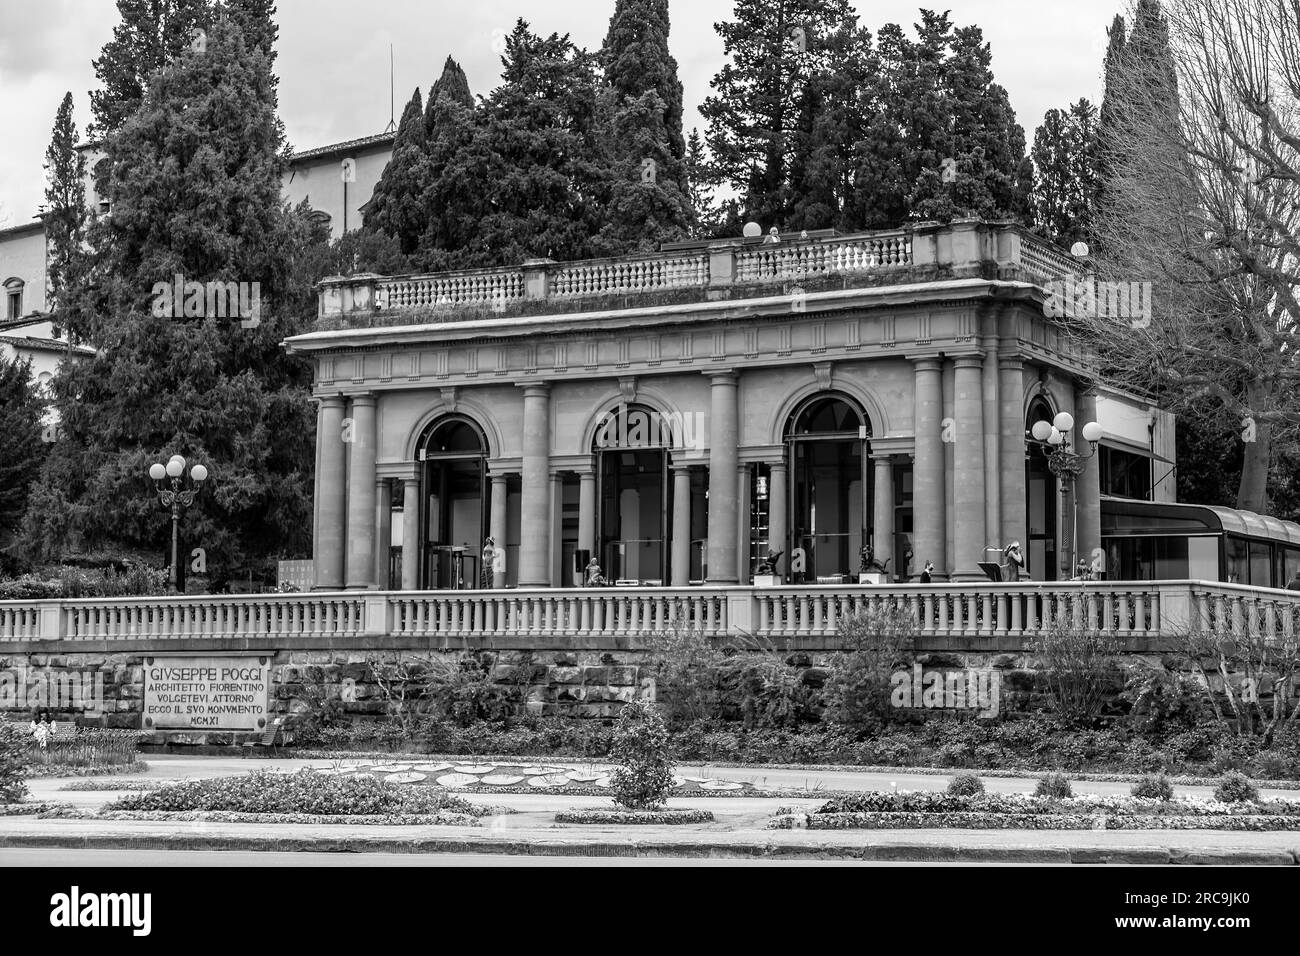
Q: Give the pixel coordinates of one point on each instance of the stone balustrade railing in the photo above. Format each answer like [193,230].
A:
[964,247]
[968,611]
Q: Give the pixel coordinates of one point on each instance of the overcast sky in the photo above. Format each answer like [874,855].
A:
[333,59]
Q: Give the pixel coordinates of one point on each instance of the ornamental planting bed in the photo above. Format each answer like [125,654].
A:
[875,810]
[621,816]
[306,796]
[538,778]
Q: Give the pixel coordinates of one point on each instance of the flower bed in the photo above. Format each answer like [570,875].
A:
[620,816]
[306,792]
[99,786]
[76,770]
[936,810]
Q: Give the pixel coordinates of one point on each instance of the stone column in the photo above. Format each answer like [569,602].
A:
[1011,453]
[968,472]
[1088,484]
[680,556]
[331,495]
[777,503]
[555,547]
[724,436]
[497,525]
[361,495]
[743,522]
[410,534]
[383,532]
[535,505]
[929,529]
[992,443]
[883,539]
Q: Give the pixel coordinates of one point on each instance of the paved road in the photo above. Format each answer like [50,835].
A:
[214,858]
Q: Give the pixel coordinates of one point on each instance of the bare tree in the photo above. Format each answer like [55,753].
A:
[1250,676]
[1203,201]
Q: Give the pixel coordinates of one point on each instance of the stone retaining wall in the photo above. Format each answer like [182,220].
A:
[581,684]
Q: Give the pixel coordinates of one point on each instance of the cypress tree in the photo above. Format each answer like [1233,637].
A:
[65,212]
[21,450]
[397,204]
[448,174]
[649,195]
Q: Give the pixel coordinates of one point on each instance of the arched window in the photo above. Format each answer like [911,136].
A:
[14,298]
[830,489]
[455,502]
[632,444]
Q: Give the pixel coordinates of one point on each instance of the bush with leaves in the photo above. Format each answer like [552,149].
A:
[15,749]
[1162,702]
[875,643]
[1054,785]
[688,668]
[1079,667]
[1236,788]
[965,784]
[1154,787]
[640,745]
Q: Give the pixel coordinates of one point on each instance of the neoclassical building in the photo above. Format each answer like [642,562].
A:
[674,416]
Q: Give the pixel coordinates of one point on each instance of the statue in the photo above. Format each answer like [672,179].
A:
[485,571]
[1013,561]
[868,563]
[768,564]
[592,576]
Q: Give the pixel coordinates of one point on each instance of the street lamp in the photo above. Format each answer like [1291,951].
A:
[176,497]
[1067,464]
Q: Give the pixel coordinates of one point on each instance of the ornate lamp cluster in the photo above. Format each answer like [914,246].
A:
[169,480]
[1067,464]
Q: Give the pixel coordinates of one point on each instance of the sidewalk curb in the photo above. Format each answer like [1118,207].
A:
[894,853]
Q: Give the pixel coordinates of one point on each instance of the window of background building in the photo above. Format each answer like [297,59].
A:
[1124,474]
[14,299]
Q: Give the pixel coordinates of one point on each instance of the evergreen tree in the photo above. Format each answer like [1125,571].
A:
[152,34]
[975,126]
[835,110]
[65,210]
[195,192]
[397,205]
[700,184]
[451,122]
[774,48]
[1065,165]
[1108,118]
[256,18]
[649,200]
[535,174]
[21,450]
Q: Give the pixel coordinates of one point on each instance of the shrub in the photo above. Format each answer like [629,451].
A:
[1236,788]
[1079,668]
[965,784]
[13,764]
[641,747]
[89,747]
[1154,787]
[857,690]
[306,791]
[1163,703]
[687,667]
[1054,785]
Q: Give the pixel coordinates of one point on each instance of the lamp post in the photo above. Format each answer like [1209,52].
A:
[176,497]
[1067,464]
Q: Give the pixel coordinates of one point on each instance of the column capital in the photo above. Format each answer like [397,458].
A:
[331,401]
[968,360]
[363,399]
[778,465]
[1010,362]
[535,389]
[718,377]
[928,363]
[681,466]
